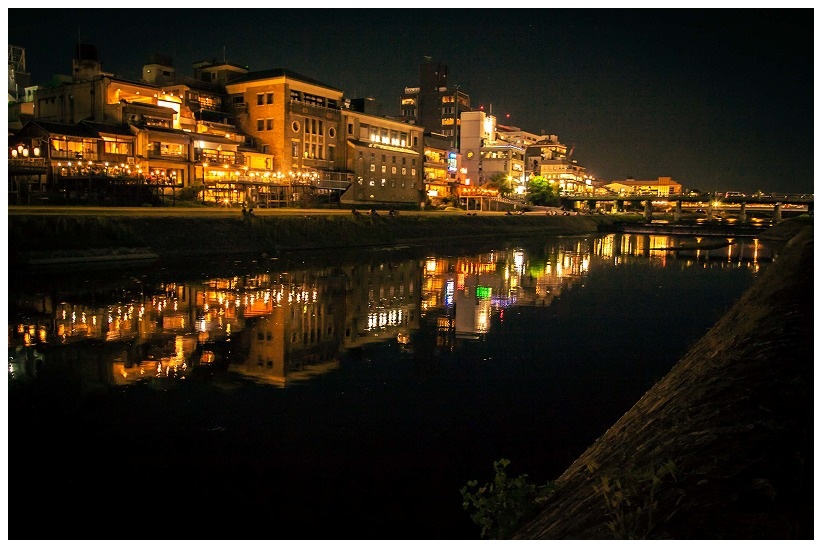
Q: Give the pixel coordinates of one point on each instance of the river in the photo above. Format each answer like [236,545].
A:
[338,395]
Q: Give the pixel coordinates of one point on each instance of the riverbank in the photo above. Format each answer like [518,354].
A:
[722,446]
[65,236]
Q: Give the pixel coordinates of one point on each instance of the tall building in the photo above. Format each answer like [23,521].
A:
[433,104]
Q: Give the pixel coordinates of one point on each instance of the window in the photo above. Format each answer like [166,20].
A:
[269,98]
[295,126]
[269,124]
[403,171]
[382,168]
[413,172]
[260,124]
[295,149]
[259,98]
[372,167]
[393,170]
[331,153]
[350,129]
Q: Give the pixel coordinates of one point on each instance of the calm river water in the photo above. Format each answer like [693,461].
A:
[346,395]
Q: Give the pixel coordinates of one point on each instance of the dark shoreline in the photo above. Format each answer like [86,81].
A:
[733,418]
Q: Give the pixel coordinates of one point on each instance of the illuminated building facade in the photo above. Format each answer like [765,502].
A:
[484,155]
[441,168]
[552,160]
[385,158]
[294,118]
[662,186]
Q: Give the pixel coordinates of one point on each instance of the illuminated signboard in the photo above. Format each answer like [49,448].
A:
[452,162]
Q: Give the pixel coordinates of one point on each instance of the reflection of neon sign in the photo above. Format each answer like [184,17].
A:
[483,292]
[449,293]
[452,162]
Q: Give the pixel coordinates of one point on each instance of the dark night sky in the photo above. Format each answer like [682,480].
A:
[718,99]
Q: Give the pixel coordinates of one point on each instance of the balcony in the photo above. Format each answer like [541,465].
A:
[168,155]
[230,160]
[316,110]
[31,166]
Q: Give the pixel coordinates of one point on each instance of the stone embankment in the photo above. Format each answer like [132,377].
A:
[722,446]
[37,239]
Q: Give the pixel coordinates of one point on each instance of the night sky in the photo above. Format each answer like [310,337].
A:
[718,99]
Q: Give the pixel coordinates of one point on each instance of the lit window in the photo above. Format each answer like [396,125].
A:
[372,167]
[393,170]
[382,169]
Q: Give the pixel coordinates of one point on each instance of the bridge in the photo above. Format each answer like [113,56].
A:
[709,203]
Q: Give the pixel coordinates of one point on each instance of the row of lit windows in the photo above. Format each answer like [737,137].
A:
[383,169]
[313,150]
[393,159]
[382,183]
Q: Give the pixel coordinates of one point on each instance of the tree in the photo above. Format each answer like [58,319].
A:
[541,192]
[500,182]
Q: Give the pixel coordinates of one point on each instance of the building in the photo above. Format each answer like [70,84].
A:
[552,160]
[441,168]
[434,105]
[485,155]
[385,160]
[662,186]
[294,118]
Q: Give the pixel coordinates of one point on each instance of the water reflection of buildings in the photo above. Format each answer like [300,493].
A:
[287,327]
[462,294]
[707,252]
[274,329]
